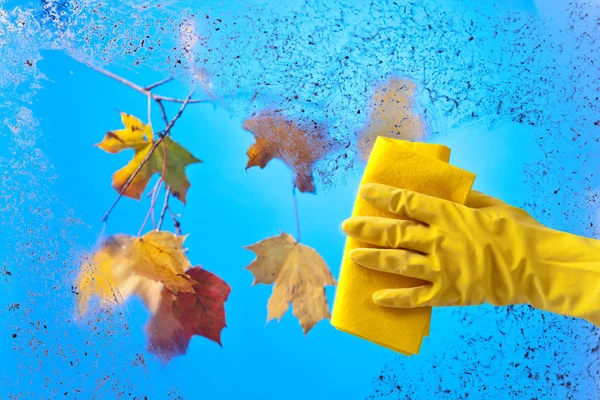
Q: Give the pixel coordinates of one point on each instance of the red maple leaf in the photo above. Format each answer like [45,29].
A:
[182,315]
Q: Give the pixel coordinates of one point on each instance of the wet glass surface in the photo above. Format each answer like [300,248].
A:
[511,88]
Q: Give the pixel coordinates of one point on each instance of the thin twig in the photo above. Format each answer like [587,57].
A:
[176,223]
[164,209]
[157,84]
[164,112]
[155,190]
[149,110]
[172,123]
[167,189]
[146,92]
[162,177]
[130,179]
[154,198]
[151,194]
[150,211]
[147,157]
[296,213]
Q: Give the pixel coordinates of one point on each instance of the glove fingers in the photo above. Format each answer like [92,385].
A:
[477,199]
[401,262]
[419,296]
[390,233]
[491,204]
[406,203]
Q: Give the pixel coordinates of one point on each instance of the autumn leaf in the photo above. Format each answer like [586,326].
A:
[126,265]
[299,146]
[158,255]
[300,275]
[391,114]
[169,156]
[181,316]
[107,274]
[184,301]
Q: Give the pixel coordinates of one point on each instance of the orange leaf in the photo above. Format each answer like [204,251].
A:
[182,315]
[299,146]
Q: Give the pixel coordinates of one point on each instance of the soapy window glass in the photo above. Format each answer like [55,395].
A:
[511,87]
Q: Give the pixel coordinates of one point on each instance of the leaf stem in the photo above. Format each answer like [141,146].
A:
[296,214]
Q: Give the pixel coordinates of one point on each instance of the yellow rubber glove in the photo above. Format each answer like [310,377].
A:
[483,252]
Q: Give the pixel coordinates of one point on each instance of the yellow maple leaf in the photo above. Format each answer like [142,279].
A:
[139,136]
[159,256]
[300,275]
[107,275]
[125,265]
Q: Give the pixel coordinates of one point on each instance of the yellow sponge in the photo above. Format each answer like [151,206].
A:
[420,167]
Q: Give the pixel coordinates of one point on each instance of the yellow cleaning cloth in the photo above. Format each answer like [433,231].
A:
[420,167]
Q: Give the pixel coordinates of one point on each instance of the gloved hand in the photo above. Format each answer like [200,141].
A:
[483,252]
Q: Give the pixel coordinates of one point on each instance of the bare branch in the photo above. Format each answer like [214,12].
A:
[173,100]
[122,80]
[157,84]
[145,91]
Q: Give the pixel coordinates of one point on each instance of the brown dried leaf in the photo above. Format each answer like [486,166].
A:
[299,146]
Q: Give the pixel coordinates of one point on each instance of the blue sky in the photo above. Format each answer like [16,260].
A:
[228,208]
